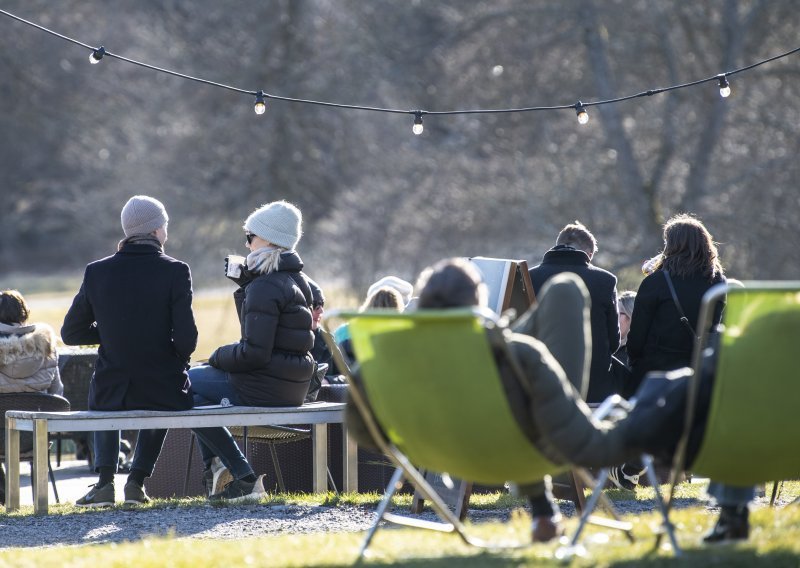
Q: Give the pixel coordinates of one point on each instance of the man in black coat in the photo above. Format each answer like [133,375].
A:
[137,306]
[573,252]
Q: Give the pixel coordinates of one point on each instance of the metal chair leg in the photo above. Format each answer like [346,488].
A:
[189,466]
[651,477]
[52,480]
[397,478]
[277,466]
[776,490]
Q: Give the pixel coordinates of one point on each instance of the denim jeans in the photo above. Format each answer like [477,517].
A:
[148,447]
[212,386]
[731,495]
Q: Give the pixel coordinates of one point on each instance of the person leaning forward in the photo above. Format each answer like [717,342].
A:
[137,306]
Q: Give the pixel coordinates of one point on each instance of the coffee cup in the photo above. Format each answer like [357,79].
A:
[234,264]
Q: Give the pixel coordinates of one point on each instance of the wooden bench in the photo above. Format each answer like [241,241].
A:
[317,414]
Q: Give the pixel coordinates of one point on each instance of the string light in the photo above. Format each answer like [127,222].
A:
[97,55]
[261,103]
[583,116]
[417,128]
[724,86]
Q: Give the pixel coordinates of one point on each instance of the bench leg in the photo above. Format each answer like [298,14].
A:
[350,461]
[12,465]
[319,444]
[40,463]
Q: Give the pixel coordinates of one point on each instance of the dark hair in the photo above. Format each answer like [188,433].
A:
[578,236]
[689,248]
[13,308]
[384,298]
[450,283]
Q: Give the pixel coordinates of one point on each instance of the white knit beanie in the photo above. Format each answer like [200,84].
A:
[142,215]
[279,223]
[406,289]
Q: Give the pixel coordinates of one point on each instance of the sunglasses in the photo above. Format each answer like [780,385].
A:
[250,237]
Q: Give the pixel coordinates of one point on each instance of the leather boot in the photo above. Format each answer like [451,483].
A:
[732,525]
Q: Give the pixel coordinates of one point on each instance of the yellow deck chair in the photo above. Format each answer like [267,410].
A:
[436,401]
[752,432]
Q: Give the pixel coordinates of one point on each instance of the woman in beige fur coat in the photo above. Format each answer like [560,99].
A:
[28,358]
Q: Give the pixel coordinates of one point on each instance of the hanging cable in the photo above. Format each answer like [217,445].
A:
[97,53]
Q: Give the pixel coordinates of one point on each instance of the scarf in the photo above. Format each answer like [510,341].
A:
[264,260]
[141,240]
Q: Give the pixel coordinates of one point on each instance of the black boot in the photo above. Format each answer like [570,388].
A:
[732,525]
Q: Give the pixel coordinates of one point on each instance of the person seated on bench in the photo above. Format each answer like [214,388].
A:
[320,352]
[271,365]
[137,306]
[28,358]
[549,345]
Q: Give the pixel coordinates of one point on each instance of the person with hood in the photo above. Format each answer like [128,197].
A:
[28,357]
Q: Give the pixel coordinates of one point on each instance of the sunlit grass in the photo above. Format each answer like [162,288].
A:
[214,313]
[774,541]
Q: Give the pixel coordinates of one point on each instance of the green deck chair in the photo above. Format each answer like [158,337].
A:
[434,391]
[752,430]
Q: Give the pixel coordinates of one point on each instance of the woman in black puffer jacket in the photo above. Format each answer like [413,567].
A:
[271,365]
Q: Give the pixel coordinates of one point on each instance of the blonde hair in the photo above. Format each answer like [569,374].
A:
[625,302]
[268,260]
[383,298]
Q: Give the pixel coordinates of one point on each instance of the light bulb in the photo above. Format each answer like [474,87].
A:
[97,55]
[417,128]
[261,103]
[724,87]
[583,116]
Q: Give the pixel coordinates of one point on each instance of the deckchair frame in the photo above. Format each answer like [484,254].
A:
[405,470]
[710,300]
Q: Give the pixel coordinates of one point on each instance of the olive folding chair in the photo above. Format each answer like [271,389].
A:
[752,430]
[435,400]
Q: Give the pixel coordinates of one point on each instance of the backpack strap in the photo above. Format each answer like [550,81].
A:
[684,319]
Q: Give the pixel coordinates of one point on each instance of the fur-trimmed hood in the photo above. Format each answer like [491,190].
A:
[25,349]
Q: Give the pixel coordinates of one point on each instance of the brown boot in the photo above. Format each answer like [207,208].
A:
[545,529]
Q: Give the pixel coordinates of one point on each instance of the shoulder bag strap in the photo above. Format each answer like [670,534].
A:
[684,319]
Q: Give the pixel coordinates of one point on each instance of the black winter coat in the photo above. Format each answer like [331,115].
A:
[658,340]
[602,286]
[271,364]
[137,305]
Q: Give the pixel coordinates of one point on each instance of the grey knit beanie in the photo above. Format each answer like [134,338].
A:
[142,215]
[278,222]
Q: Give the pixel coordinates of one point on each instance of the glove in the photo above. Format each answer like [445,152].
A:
[245,276]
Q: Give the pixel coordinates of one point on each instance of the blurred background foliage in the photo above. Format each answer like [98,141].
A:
[79,139]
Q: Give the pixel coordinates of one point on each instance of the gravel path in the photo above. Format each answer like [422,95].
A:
[230,522]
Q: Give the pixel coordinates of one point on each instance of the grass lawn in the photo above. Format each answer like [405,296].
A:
[774,542]
[214,313]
